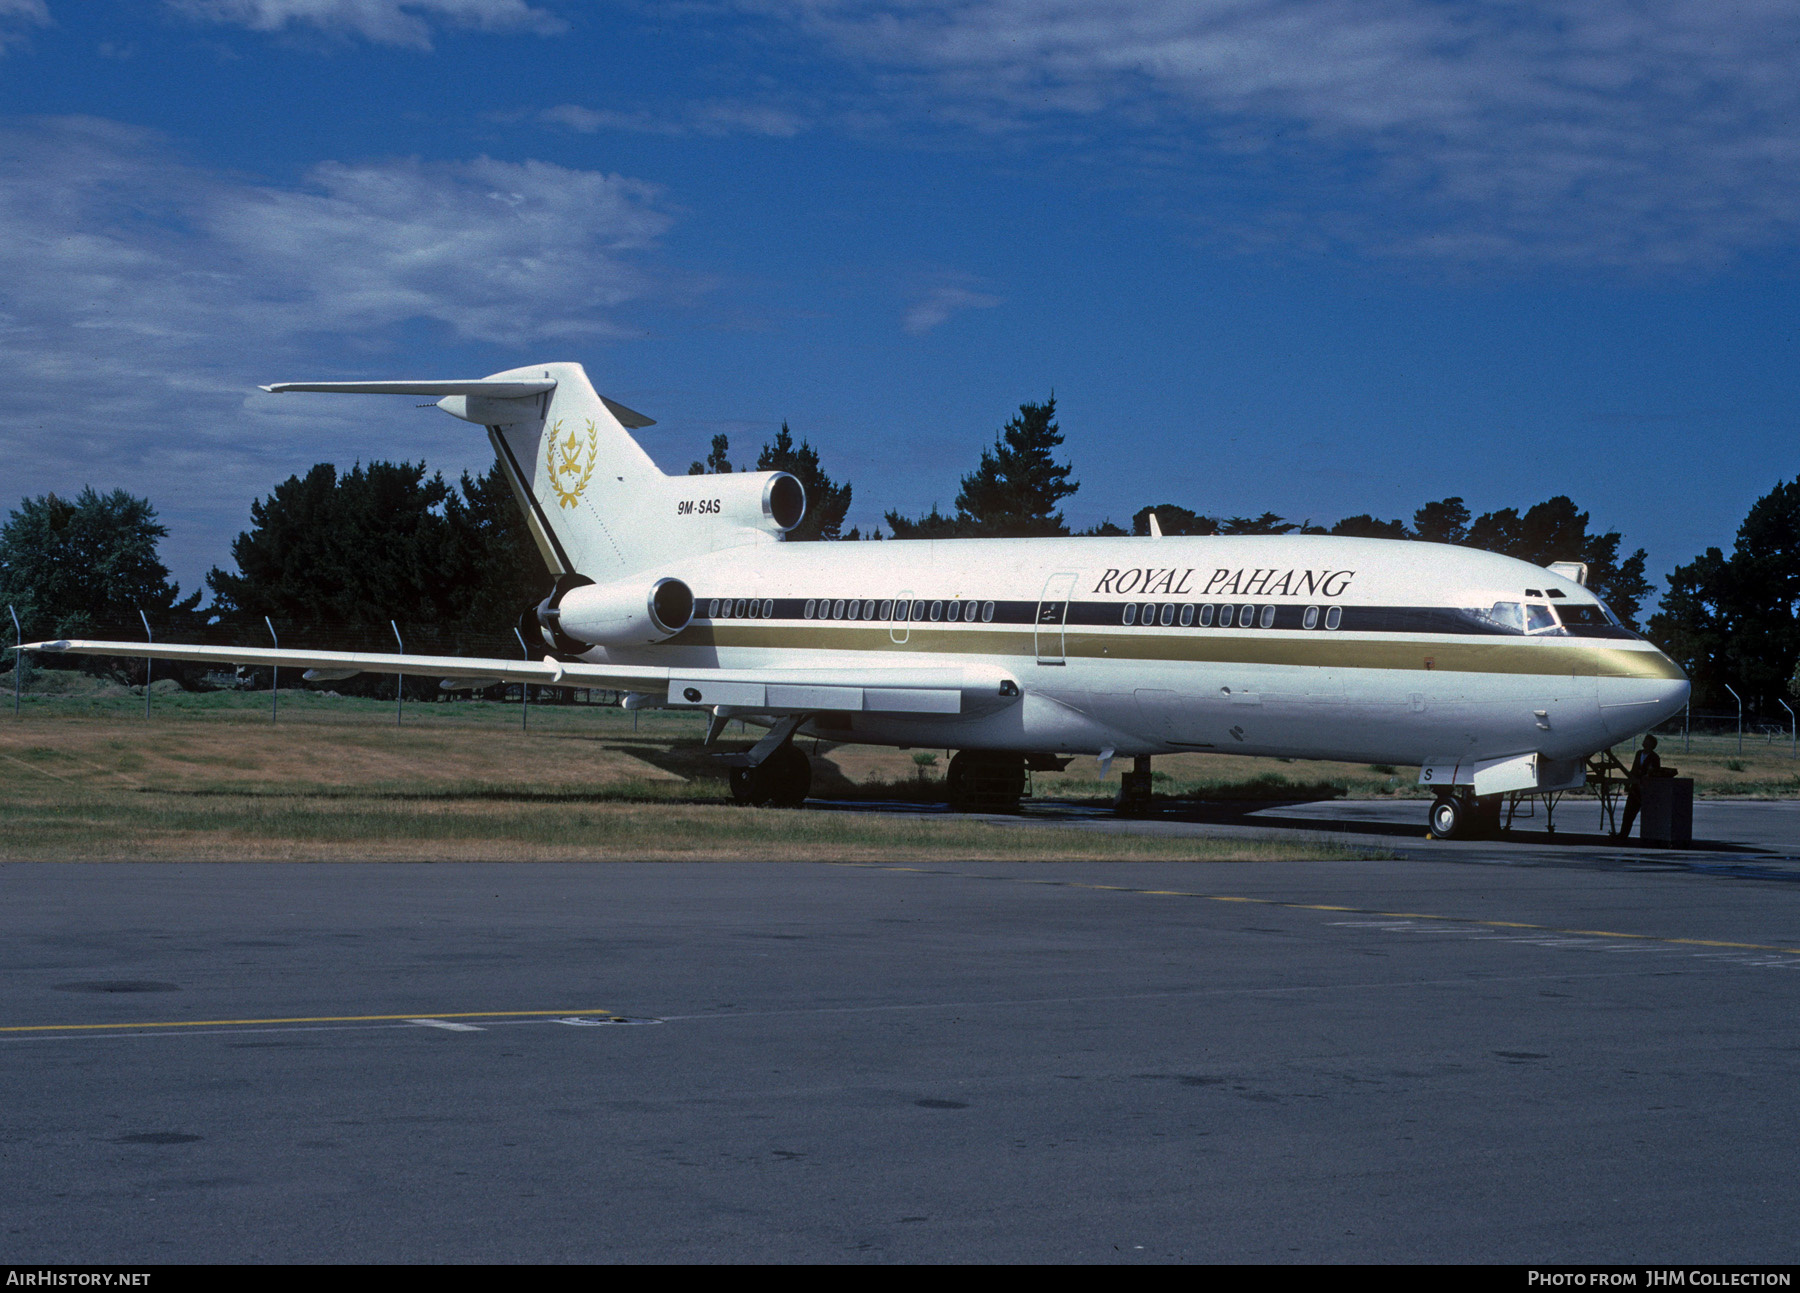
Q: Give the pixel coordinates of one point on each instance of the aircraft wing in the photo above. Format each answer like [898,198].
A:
[966,690]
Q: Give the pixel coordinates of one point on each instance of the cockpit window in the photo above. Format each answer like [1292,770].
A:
[1539,619]
[1575,615]
[1508,615]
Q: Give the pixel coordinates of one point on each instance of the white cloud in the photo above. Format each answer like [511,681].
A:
[16,15]
[717,118]
[386,22]
[143,297]
[502,252]
[941,301]
[1646,132]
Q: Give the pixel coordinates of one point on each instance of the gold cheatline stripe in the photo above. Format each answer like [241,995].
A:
[1315,650]
[297,1019]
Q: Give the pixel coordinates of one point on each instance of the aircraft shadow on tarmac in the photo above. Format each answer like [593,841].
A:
[1265,813]
[1269,815]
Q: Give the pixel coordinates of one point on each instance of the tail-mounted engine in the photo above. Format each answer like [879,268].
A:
[580,614]
[770,501]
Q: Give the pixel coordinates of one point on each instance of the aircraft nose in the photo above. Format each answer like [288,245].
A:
[1632,705]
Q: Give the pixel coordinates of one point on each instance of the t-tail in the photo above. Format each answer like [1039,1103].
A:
[597,505]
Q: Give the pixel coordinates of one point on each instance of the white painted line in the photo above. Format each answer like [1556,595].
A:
[447,1025]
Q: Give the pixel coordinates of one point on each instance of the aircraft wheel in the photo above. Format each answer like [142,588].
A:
[1448,818]
[956,781]
[985,781]
[751,785]
[790,776]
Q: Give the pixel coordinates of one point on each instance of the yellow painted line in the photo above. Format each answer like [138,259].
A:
[1359,911]
[299,1019]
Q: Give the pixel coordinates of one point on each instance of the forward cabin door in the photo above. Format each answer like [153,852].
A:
[1053,615]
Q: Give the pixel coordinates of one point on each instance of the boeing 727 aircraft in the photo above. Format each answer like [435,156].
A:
[1494,675]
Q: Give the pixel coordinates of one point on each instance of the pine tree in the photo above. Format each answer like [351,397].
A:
[1016,490]
[1735,619]
[718,462]
[1013,493]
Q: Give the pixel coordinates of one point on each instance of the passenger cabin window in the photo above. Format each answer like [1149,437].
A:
[987,612]
[1225,613]
[1246,616]
[1187,615]
[1129,615]
[1334,617]
[1311,619]
[768,608]
[1206,616]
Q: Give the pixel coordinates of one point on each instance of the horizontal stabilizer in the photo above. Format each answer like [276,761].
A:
[509,389]
[628,419]
[488,387]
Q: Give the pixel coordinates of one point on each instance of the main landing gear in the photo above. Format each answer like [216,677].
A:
[985,781]
[1461,815]
[782,780]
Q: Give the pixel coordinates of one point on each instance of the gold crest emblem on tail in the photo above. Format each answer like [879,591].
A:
[569,467]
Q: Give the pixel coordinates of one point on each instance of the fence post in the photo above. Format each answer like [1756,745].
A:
[399,678]
[18,658]
[149,663]
[1687,741]
[1740,704]
[1794,728]
[524,685]
[275,688]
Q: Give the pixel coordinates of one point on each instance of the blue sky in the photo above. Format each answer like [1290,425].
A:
[1318,258]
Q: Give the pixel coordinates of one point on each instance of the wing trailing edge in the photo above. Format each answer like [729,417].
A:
[964,690]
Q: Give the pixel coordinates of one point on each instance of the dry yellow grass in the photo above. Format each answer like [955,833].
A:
[226,784]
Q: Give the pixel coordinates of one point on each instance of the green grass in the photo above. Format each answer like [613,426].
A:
[216,780]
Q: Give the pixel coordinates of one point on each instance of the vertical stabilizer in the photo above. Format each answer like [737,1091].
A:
[584,484]
[595,502]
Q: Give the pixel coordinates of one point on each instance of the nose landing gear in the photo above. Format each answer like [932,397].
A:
[1461,815]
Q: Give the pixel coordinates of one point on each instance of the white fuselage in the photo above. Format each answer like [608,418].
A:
[1359,649]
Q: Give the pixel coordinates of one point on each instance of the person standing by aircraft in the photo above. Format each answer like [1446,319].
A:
[1646,764]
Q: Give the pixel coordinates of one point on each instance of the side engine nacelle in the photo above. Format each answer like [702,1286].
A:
[771,501]
[633,612]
